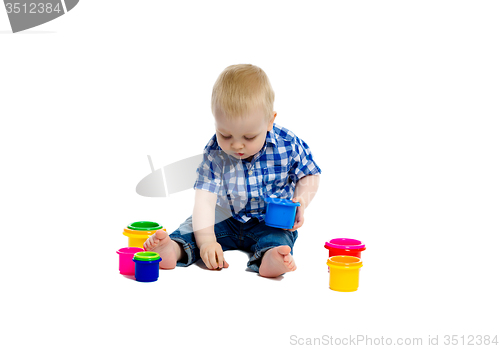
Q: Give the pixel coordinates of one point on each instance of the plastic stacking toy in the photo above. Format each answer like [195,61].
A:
[139,232]
[345,247]
[280,213]
[147,266]
[126,264]
[344,273]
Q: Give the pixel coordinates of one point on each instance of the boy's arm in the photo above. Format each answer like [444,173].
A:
[203,229]
[204,216]
[305,190]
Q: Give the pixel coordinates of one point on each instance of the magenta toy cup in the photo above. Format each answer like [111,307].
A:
[345,247]
[126,263]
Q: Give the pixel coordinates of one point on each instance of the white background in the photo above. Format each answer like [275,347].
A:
[399,102]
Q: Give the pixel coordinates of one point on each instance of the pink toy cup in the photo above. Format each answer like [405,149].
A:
[127,265]
[345,247]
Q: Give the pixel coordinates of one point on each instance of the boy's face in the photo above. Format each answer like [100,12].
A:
[242,137]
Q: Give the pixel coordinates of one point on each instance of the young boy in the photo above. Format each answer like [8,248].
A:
[248,159]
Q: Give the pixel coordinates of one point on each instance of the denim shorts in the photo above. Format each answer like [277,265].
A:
[253,236]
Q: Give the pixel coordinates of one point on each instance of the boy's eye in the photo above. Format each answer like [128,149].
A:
[228,137]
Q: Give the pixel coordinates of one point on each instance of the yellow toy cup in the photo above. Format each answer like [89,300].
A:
[139,232]
[344,273]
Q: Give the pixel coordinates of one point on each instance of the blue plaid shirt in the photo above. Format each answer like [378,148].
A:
[241,186]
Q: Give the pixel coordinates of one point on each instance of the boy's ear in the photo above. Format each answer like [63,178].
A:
[271,122]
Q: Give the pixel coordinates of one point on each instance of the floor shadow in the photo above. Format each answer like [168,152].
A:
[277,278]
[131,277]
[200,264]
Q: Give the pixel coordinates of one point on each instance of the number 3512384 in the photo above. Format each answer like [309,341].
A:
[32,7]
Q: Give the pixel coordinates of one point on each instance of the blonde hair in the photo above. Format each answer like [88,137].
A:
[241,88]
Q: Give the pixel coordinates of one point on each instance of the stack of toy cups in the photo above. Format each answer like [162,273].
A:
[133,260]
[147,266]
[139,232]
[344,263]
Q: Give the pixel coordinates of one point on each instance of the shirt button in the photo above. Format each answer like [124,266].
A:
[250,172]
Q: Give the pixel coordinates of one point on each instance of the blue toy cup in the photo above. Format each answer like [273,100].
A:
[147,266]
[280,213]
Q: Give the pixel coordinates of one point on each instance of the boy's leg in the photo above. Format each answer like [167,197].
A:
[272,252]
[170,251]
[277,261]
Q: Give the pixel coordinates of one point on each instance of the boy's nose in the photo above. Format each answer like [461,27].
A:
[237,146]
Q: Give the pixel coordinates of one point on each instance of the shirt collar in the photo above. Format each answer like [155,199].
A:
[270,139]
[271,136]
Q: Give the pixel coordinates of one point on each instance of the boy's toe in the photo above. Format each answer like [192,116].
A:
[160,235]
[284,250]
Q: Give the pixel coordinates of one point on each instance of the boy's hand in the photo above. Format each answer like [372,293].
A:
[212,255]
[299,215]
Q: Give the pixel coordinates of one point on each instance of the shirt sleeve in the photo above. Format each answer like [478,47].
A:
[303,163]
[209,172]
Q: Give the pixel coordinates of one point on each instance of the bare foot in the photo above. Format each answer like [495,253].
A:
[169,250]
[277,261]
